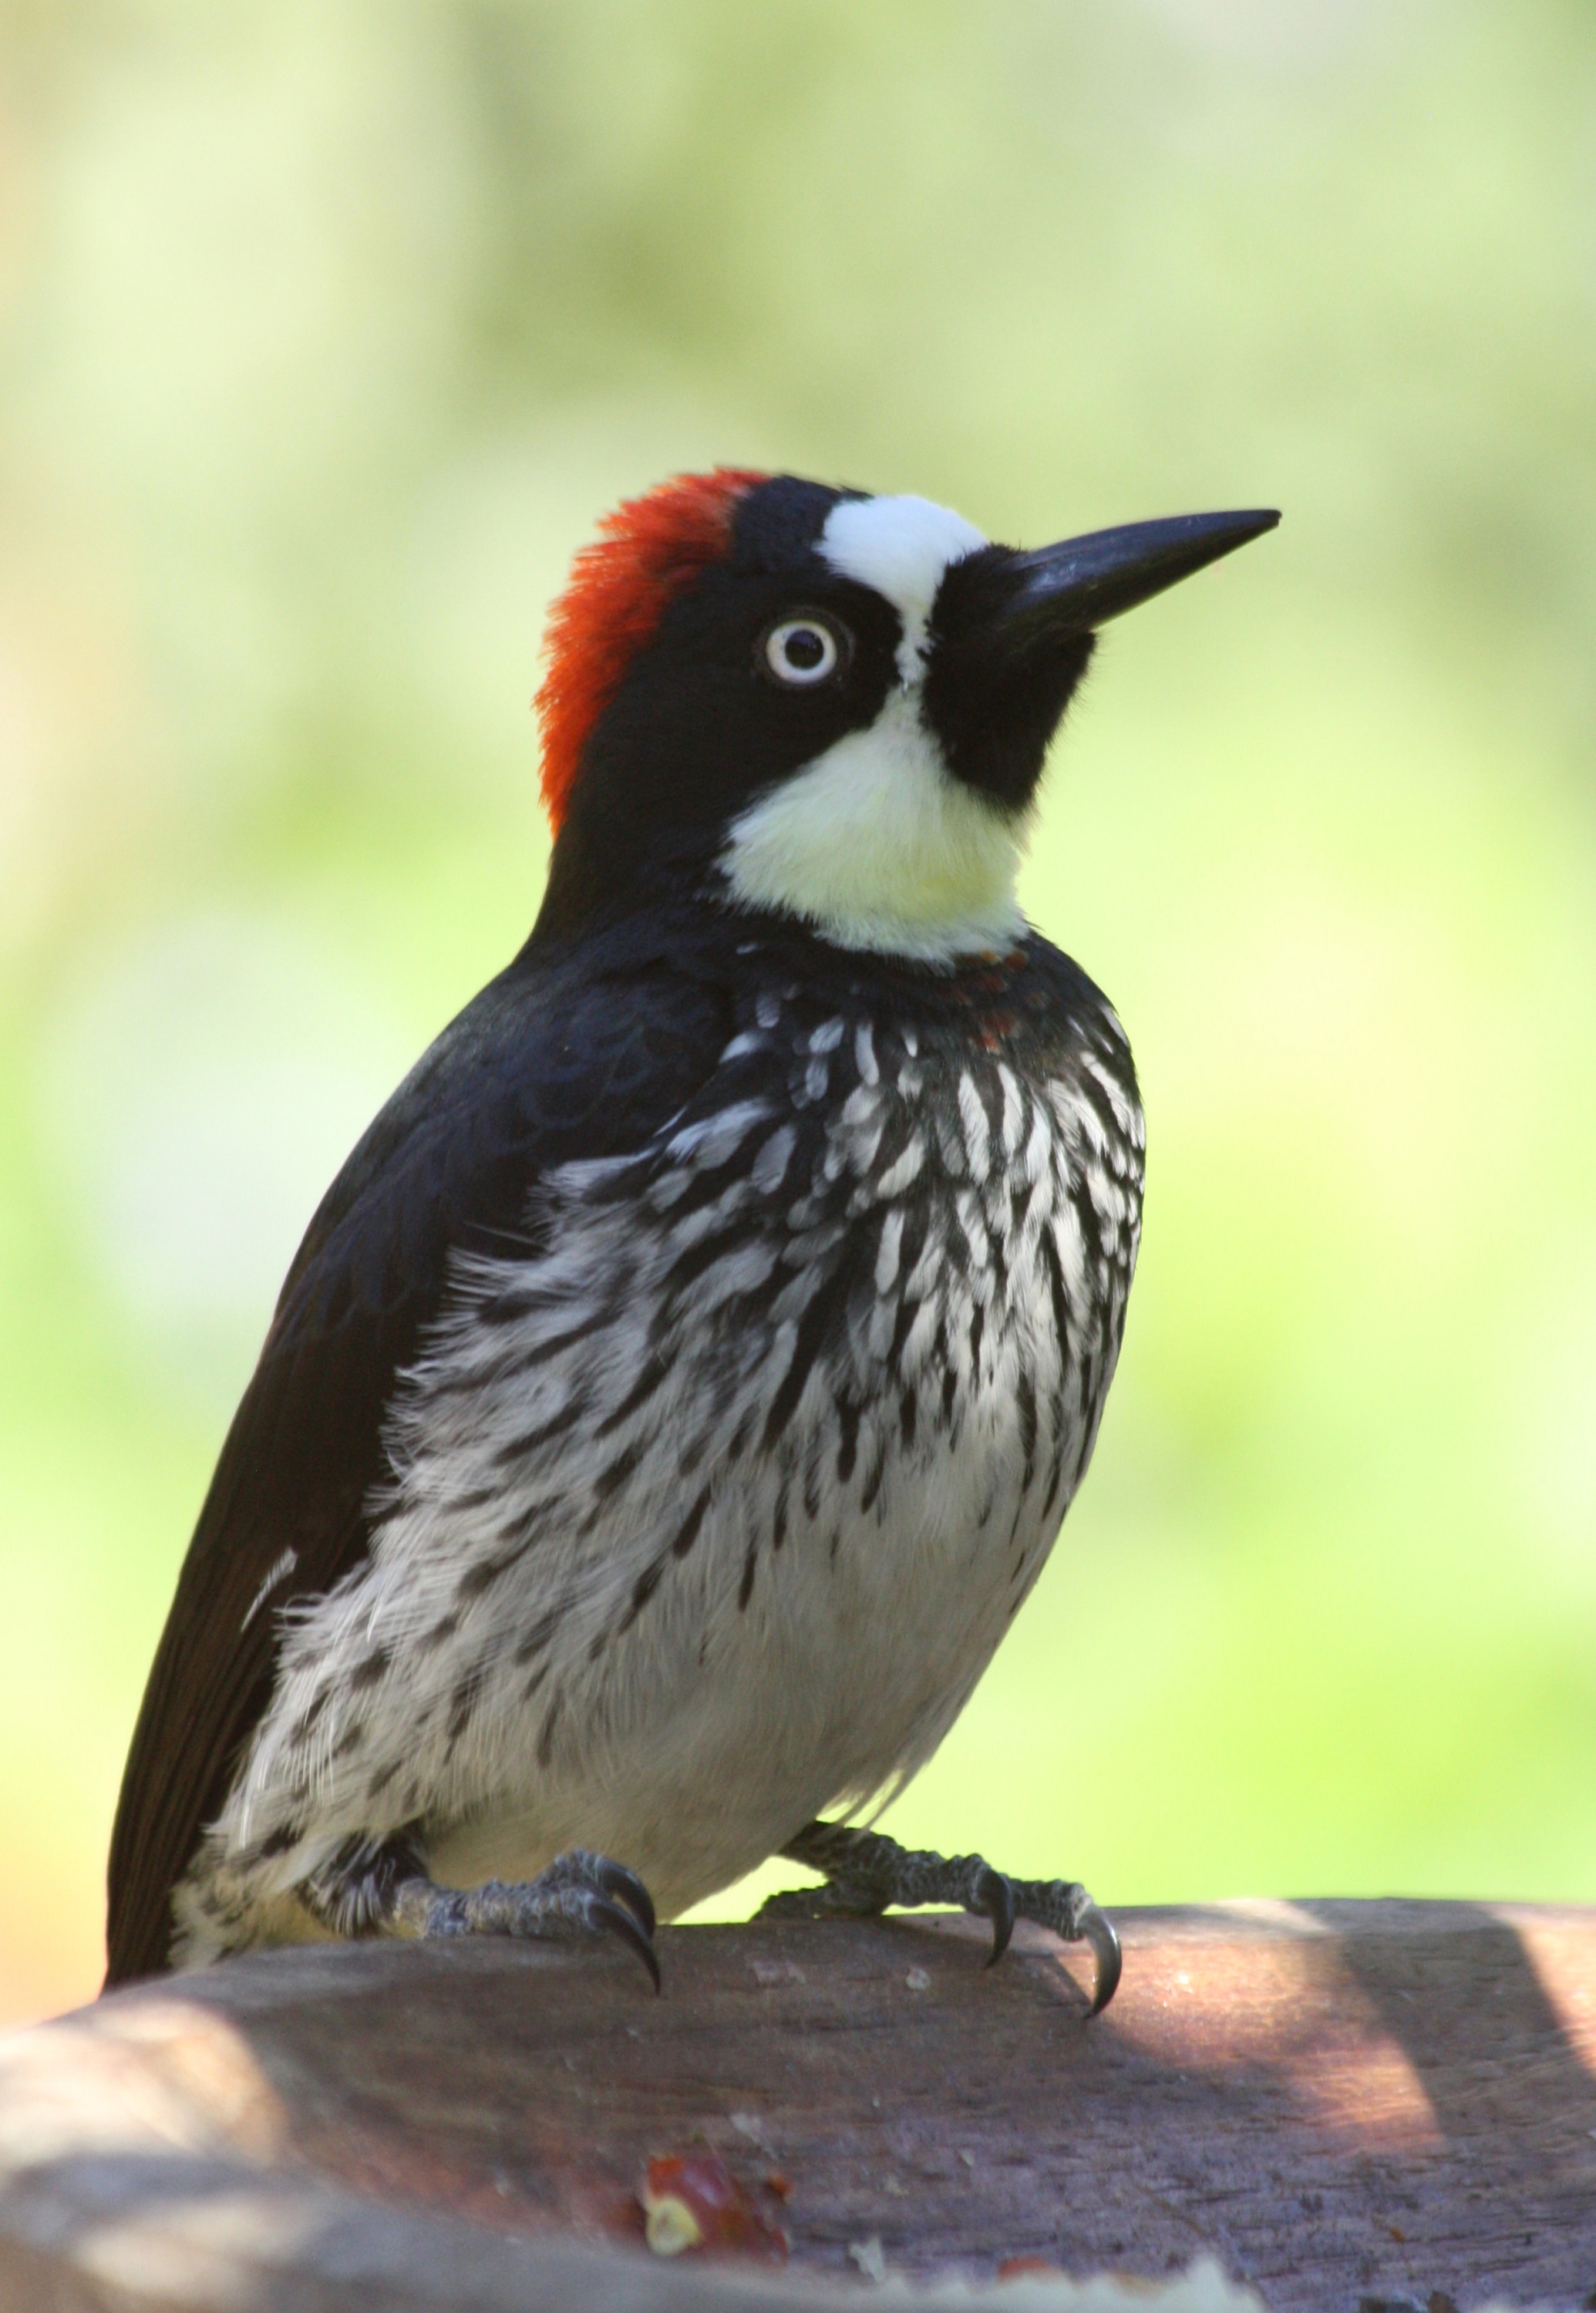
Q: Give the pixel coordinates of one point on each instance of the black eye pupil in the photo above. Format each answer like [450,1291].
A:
[805,648]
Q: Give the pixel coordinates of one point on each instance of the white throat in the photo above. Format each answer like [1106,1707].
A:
[875,843]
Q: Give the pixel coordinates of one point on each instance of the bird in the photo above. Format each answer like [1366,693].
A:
[680,1387]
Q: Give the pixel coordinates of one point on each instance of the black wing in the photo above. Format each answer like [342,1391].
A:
[546,1064]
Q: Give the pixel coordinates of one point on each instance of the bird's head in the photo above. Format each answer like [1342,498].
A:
[811,702]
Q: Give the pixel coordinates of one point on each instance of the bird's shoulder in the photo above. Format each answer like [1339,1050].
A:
[558,1058]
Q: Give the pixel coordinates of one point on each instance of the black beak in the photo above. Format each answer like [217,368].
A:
[1067,589]
[1011,633]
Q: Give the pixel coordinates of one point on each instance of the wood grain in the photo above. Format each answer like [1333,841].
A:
[1340,2101]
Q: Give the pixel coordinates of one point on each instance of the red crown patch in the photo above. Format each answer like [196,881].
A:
[646,550]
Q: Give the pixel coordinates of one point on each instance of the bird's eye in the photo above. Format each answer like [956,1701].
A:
[803,651]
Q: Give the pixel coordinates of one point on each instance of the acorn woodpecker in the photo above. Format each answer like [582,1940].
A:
[680,1388]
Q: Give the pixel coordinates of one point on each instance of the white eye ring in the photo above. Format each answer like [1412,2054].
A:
[803,651]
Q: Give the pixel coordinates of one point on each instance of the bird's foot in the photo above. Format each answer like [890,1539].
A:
[865,1871]
[580,1898]
[379,1886]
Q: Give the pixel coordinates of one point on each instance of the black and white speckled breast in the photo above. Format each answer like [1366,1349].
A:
[710,1511]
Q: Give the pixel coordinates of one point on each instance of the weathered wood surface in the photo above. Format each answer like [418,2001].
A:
[1339,2101]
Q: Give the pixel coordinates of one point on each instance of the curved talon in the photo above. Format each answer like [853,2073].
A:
[624,1886]
[1098,1929]
[602,1913]
[995,1895]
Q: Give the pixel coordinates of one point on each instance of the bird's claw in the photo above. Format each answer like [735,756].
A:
[1004,1902]
[620,1920]
[1064,1906]
[624,1886]
[1098,1929]
[864,1872]
[615,1902]
[994,1892]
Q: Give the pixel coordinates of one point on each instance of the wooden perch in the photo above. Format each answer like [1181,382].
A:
[1339,2102]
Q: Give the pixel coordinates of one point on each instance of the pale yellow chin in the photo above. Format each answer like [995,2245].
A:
[877,845]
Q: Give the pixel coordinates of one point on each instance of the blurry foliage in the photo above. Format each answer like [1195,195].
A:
[328,329]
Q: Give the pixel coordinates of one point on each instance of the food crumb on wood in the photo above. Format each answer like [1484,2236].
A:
[775,1971]
[870,2258]
[691,2200]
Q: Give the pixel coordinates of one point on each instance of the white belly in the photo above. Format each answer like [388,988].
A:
[725,1730]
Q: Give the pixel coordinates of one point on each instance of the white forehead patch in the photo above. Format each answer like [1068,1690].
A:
[901,547]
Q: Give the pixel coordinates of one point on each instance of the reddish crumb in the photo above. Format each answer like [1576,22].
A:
[780,2185]
[1022,2268]
[691,2201]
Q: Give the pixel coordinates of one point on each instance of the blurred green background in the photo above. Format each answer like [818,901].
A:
[328,329]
